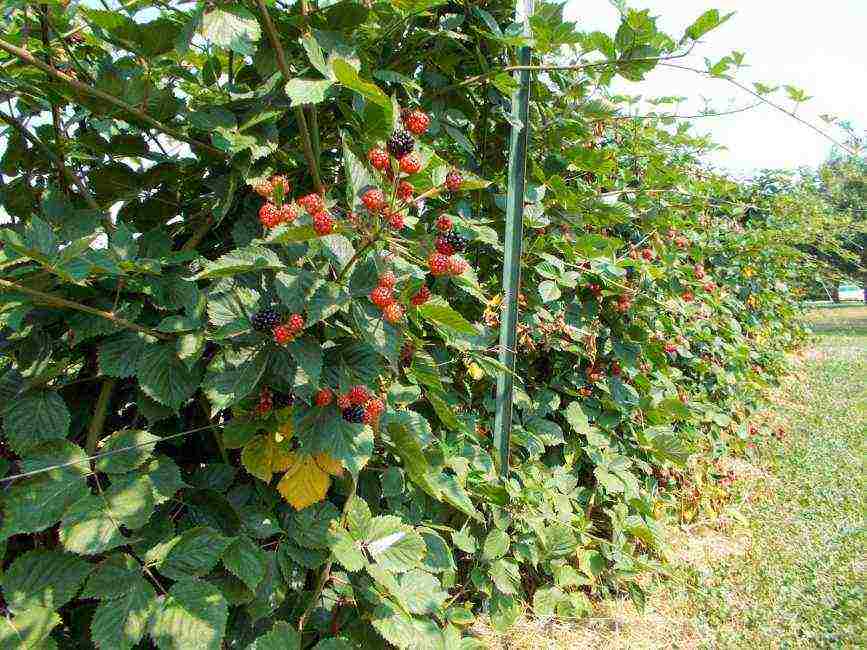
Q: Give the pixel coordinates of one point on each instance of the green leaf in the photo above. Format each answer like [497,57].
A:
[194,553]
[326,301]
[454,494]
[112,577]
[407,429]
[496,544]
[307,91]
[243,260]
[246,561]
[708,21]
[165,378]
[577,419]
[310,526]
[43,578]
[439,313]
[420,592]
[34,504]
[281,637]
[404,631]
[35,417]
[348,76]
[549,291]
[119,355]
[232,27]
[393,545]
[28,629]
[192,617]
[346,550]
[325,430]
[546,600]
[118,463]
[121,623]
[231,383]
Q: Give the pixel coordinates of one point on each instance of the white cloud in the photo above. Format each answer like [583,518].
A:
[817,46]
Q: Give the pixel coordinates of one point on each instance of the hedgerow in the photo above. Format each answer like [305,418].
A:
[250,308]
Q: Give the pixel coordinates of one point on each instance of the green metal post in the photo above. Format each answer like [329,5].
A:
[512,259]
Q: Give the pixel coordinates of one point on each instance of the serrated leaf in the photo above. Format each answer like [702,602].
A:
[194,553]
[577,419]
[708,21]
[35,417]
[357,175]
[112,577]
[246,561]
[34,504]
[439,313]
[393,545]
[28,629]
[242,260]
[347,75]
[233,27]
[192,617]
[404,631]
[43,578]
[281,637]
[323,430]
[346,550]
[420,592]
[496,544]
[119,355]
[263,456]
[309,527]
[165,378]
[307,91]
[143,443]
[120,624]
[407,429]
[305,481]
[229,384]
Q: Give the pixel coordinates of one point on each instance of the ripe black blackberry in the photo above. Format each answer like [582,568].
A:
[456,241]
[400,143]
[266,319]
[354,414]
[282,400]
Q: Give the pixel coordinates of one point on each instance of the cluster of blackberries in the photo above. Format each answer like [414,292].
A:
[400,144]
[269,399]
[266,319]
[450,243]
[358,405]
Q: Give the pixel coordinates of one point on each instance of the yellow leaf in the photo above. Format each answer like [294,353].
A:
[329,464]
[264,455]
[284,430]
[304,482]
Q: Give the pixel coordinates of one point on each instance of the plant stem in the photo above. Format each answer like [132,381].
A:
[27,57]
[97,422]
[56,301]
[306,144]
[218,435]
[55,111]
[326,570]
[352,260]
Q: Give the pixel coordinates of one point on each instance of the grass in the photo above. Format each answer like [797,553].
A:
[788,570]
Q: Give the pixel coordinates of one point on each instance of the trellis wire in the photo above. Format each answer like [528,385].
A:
[88,459]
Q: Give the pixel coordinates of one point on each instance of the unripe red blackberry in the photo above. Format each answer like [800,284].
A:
[709,286]
[687,296]
[374,200]
[295,323]
[283,334]
[388,279]
[269,215]
[373,410]
[288,214]
[443,246]
[454,180]
[438,264]
[410,164]
[405,190]
[266,319]
[648,254]
[263,189]
[444,224]
[378,158]
[698,271]
[323,223]
[393,313]
[358,394]
[312,203]
[323,397]
[421,296]
[381,297]
[400,143]
[396,221]
[343,402]
[457,266]
[416,121]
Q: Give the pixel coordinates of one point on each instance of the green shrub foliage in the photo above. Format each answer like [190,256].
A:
[291,406]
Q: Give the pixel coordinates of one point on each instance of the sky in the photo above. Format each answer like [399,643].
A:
[817,46]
